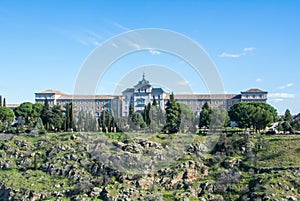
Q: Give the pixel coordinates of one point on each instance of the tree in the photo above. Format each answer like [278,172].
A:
[0,101]
[108,121]
[36,111]
[24,111]
[288,116]
[173,118]
[157,118]
[147,114]
[187,117]
[218,118]
[204,119]
[131,111]
[6,118]
[287,127]
[154,102]
[255,115]
[45,114]
[69,123]
[56,117]
[4,102]
[138,121]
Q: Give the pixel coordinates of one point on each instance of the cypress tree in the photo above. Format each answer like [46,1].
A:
[154,102]
[4,102]
[0,101]
[173,120]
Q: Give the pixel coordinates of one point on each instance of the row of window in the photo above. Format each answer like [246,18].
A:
[253,96]
[98,102]
[91,108]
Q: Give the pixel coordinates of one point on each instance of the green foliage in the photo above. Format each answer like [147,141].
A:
[45,114]
[56,117]
[204,119]
[219,118]
[36,110]
[148,114]
[213,117]
[69,123]
[157,118]
[25,111]
[131,111]
[154,102]
[86,122]
[256,115]
[39,126]
[138,121]
[287,116]
[187,118]
[6,118]
[173,119]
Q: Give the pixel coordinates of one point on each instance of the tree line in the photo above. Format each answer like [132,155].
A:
[176,118]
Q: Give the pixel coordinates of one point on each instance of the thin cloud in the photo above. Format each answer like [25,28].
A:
[286,86]
[114,45]
[249,49]
[183,83]
[281,95]
[237,55]
[258,80]
[132,44]
[229,55]
[120,26]
[154,52]
[275,100]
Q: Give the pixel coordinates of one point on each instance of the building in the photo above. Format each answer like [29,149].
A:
[90,103]
[144,93]
[141,95]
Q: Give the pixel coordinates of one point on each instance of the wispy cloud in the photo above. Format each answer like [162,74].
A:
[116,24]
[183,83]
[237,55]
[258,79]
[154,52]
[89,38]
[286,86]
[249,49]
[114,45]
[281,95]
[275,100]
[229,55]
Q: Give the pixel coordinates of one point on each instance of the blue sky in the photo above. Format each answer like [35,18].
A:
[252,43]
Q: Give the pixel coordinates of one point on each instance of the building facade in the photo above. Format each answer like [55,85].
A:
[141,95]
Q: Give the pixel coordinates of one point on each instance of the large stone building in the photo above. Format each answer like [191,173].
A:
[142,94]
[90,103]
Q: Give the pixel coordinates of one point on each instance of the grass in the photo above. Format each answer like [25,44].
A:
[280,151]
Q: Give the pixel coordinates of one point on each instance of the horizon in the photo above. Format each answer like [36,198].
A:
[252,45]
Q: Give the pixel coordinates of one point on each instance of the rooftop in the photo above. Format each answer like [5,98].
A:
[50,91]
[253,91]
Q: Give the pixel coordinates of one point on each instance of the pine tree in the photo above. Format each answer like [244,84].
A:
[205,116]
[131,111]
[288,116]
[173,116]
[45,114]
[154,102]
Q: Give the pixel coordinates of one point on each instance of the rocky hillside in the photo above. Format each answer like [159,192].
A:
[81,166]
